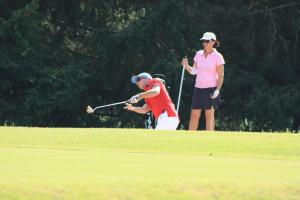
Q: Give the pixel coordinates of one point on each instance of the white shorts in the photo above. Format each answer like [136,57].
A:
[164,122]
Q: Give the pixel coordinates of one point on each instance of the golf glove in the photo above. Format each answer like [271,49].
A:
[215,94]
[134,99]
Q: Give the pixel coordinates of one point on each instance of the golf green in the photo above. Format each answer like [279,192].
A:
[135,164]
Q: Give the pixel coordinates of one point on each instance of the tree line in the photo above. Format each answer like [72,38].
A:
[57,56]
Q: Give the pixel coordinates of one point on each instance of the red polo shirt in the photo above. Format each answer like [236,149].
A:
[162,102]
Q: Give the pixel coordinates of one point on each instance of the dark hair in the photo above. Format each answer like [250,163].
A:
[217,43]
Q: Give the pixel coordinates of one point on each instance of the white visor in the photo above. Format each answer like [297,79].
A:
[209,36]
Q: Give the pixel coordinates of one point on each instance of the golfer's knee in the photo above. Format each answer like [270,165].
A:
[209,114]
[195,115]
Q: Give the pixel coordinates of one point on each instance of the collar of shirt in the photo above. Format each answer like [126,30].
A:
[212,53]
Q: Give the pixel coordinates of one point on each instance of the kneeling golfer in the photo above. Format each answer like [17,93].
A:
[157,100]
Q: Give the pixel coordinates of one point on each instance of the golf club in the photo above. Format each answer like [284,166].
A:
[91,110]
[180,89]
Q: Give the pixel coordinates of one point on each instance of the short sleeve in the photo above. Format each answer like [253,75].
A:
[220,59]
[196,56]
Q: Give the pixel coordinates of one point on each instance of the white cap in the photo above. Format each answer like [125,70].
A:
[209,36]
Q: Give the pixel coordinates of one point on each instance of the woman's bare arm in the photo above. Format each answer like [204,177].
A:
[220,72]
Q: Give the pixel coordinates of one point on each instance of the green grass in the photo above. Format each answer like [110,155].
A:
[102,164]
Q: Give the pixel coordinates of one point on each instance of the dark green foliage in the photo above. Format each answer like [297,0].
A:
[58,56]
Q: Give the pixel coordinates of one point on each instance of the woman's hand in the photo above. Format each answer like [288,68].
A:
[184,62]
[215,94]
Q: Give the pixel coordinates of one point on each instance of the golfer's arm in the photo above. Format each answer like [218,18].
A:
[150,93]
[190,69]
[141,110]
[220,71]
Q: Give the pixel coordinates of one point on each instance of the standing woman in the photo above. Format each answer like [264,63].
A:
[209,68]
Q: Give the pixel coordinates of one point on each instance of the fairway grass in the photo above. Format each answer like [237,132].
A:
[136,164]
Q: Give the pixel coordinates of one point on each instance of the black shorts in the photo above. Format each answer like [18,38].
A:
[202,100]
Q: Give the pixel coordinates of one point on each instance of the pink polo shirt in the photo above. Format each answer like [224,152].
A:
[207,68]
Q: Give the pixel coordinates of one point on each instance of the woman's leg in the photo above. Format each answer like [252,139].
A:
[194,120]
[210,119]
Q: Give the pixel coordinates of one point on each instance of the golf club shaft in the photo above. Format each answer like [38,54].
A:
[180,89]
[108,105]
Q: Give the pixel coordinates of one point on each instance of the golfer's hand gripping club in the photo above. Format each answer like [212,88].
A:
[129,107]
[134,99]
[184,61]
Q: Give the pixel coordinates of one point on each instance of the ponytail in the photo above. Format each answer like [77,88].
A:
[217,43]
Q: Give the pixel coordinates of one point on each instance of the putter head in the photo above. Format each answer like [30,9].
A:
[89,110]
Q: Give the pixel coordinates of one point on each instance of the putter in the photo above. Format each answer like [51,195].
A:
[91,110]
